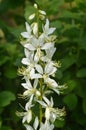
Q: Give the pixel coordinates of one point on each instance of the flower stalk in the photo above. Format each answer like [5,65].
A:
[39,72]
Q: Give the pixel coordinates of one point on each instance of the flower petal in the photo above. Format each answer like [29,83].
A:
[36,76]
[28,28]
[29,116]
[47,113]
[30,47]
[28,127]
[47,45]
[35,83]
[51,30]
[25,61]
[25,34]
[39,68]
[51,82]
[36,123]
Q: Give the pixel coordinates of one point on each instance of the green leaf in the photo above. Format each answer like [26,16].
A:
[71,101]
[16,31]
[81,73]
[10,72]
[67,61]
[3,60]
[69,0]
[59,123]
[69,14]
[58,74]
[72,84]
[56,23]
[6,97]
[5,128]
[84,105]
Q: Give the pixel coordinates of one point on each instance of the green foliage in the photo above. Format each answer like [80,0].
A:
[69,17]
[71,101]
[6,97]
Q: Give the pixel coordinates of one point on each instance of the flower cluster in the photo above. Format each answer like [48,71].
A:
[39,72]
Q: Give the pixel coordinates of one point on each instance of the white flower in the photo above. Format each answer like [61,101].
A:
[50,112]
[35,28]
[27,116]
[46,126]
[47,30]
[49,70]
[35,125]
[37,44]
[29,57]
[31,90]
[27,34]
[49,54]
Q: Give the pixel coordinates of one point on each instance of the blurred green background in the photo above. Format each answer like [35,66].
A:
[69,17]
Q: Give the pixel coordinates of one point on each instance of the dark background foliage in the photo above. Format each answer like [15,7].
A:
[69,17]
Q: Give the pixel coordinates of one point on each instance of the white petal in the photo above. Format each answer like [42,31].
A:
[30,47]
[25,61]
[52,117]
[49,69]
[53,70]
[24,119]
[51,102]
[36,123]
[27,52]
[25,34]
[42,103]
[47,113]
[36,76]
[51,82]
[39,68]
[28,105]
[46,100]
[35,29]
[29,116]
[46,25]
[47,46]
[37,56]
[56,90]
[51,30]
[28,127]
[28,28]
[50,52]
[35,83]
[25,85]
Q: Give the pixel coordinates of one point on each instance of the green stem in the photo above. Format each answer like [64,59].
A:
[40,106]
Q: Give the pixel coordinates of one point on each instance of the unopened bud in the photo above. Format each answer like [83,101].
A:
[31,16]
[35,6]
